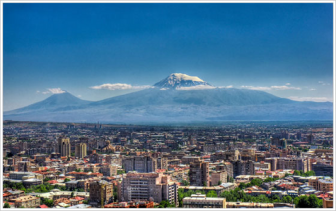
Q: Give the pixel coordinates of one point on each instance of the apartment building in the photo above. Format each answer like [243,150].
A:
[148,186]
[101,193]
[201,201]
[141,164]
[27,201]
[81,150]
[199,174]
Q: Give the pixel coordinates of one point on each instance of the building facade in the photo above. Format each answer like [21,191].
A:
[148,186]
[64,146]
[141,164]
[101,193]
[199,174]
[80,150]
[201,201]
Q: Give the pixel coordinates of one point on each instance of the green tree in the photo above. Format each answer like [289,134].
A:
[185,183]
[243,186]
[256,182]
[67,180]
[297,173]
[309,173]
[275,198]
[286,199]
[230,179]
[211,193]
[219,182]
[72,194]
[120,172]
[48,202]
[286,175]
[165,204]
[270,179]
[315,202]
[302,202]
[46,180]
[6,205]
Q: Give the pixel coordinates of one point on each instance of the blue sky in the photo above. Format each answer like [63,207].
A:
[284,49]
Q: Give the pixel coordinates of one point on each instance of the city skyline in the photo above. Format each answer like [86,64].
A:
[283,49]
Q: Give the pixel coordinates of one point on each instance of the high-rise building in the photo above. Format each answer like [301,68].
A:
[322,169]
[247,154]
[64,146]
[241,167]
[101,193]
[141,164]
[80,150]
[229,155]
[218,177]
[23,166]
[279,143]
[288,163]
[298,135]
[95,157]
[310,139]
[149,187]
[199,173]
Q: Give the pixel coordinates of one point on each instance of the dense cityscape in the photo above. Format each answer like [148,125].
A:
[224,165]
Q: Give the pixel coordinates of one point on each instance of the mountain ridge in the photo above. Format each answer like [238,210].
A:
[168,102]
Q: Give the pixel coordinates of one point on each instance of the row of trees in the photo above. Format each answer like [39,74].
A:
[43,188]
[304,174]
[165,204]
[48,202]
[301,202]
[182,194]
[308,202]
[254,182]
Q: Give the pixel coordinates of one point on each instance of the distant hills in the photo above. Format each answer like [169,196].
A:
[178,98]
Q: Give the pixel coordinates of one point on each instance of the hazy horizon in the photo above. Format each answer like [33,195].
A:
[283,49]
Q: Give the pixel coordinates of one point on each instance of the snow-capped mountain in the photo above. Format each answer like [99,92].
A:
[169,102]
[56,102]
[178,80]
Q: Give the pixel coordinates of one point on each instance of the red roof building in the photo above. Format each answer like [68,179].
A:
[43,206]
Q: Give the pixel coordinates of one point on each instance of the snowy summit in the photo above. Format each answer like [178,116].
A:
[178,80]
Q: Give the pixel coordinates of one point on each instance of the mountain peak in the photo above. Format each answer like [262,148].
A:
[177,80]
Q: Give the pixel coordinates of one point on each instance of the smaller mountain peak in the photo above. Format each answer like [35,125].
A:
[177,80]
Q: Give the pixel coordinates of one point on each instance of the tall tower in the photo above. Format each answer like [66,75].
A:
[199,173]
[64,146]
[80,150]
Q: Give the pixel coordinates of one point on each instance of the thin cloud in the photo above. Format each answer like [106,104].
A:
[202,87]
[265,88]
[225,87]
[53,91]
[285,88]
[314,99]
[119,86]
[198,87]
[287,84]
[312,89]
[324,83]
